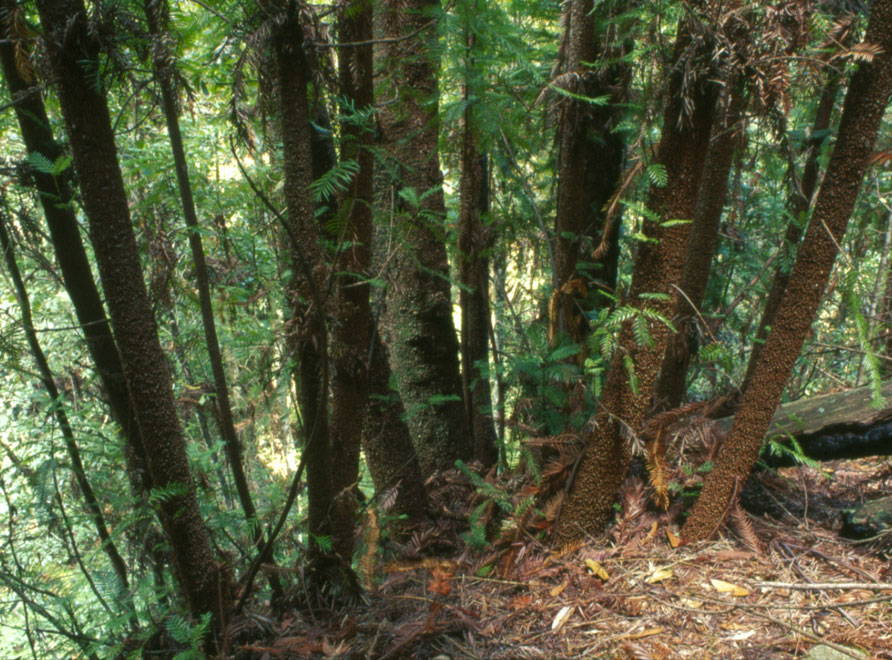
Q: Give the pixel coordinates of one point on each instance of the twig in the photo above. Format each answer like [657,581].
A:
[822,586]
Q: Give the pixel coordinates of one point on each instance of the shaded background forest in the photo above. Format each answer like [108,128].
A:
[272,269]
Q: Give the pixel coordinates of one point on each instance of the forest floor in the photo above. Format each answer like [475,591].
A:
[791,585]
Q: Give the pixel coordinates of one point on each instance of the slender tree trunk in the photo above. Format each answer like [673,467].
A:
[633,370]
[311,339]
[670,388]
[77,276]
[46,376]
[424,346]
[74,58]
[866,100]
[350,345]
[798,207]
[474,242]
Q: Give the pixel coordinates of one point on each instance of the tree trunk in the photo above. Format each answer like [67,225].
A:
[308,318]
[55,199]
[798,206]
[74,57]
[474,242]
[866,100]
[633,370]
[424,350]
[385,439]
[670,388]
[350,345]
[573,139]
[156,16]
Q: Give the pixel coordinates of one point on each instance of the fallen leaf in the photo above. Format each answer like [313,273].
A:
[597,569]
[691,603]
[674,541]
[647,633]
[558,590]
[727,588]
[561,618]
[659,575]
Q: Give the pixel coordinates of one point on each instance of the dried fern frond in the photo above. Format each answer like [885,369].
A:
[742,524]
[658,471]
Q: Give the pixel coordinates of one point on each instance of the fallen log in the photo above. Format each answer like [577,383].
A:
[840,425]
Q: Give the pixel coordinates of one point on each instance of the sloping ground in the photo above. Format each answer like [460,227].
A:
[793,586]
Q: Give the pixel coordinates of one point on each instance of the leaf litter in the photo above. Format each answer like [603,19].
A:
[797,585]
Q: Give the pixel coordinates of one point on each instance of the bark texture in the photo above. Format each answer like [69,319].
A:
[865,102]
[658,264]
[670,388]
[77,276]
[798,206]
[74,60]
[350,341]
[308,318]
[424,348]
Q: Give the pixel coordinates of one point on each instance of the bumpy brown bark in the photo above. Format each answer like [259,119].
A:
[799,203]
[670,388]
[55,194]
[682,150]
[573,130]
[74,58]
[350,345]
[866,100]
[424,347]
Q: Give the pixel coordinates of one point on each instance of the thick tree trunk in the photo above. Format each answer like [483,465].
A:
[74,58]
[424,348]
[350,345]
[670,388]
[573,139]
[866,100]
[385,439]
[658,265]
[55,199]
[473,246]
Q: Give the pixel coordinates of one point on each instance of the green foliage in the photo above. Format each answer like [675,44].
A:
[184,632]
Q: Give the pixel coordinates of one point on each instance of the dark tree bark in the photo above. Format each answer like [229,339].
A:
[424,348]
[94,510]
[704,238]
[310,340]
[798,206]
[682,151]
[74,59]
[573,139]
[474,242]
[77,276]
[350,343]
[866,100]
